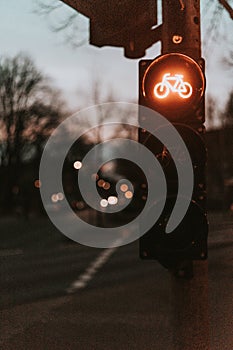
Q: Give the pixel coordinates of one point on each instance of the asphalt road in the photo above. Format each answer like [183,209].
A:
[56,294]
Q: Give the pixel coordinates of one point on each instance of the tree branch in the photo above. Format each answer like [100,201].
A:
[229,9]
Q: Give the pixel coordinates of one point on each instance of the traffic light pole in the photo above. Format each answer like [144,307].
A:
[181,27]
[181,33]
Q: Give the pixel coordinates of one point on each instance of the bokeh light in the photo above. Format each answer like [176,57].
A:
[128,194]
[104,203]
[78,165]
[112,200]
[37,183]
[124,187]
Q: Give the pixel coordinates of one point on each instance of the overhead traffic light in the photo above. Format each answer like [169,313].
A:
[173,85]
[126,23]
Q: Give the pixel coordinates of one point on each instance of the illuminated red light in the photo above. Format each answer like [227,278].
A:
[173,84]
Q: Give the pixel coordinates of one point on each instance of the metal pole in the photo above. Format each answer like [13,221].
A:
[190,310]
[189,297]
[181,27]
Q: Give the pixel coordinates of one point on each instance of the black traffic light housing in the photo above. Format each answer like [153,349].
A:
[174,85]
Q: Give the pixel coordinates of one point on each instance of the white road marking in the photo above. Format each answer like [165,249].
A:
[91,270]
[10,252]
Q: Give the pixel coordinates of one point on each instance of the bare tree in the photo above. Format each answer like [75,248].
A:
[215,24]
[99,94]
[28,106]
[211,109]
[228,60]
[228,112]
[62,19]
[29,110]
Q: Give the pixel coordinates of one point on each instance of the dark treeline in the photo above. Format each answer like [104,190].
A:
[30,108]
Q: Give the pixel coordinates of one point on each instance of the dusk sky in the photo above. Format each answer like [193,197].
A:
[73,70]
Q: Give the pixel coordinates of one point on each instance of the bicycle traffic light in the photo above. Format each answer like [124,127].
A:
[173,85]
